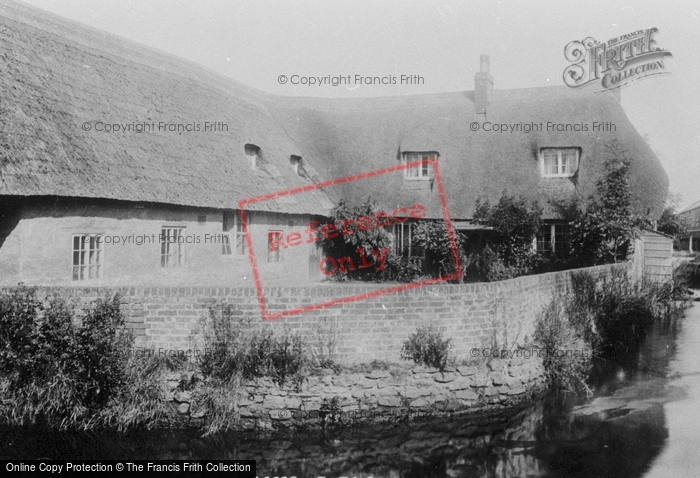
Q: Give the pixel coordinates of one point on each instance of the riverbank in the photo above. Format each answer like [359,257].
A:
[256,378]
[382,393]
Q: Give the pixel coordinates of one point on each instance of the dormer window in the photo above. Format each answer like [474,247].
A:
[421,171]
[298,165]
[254,155]
[559,162]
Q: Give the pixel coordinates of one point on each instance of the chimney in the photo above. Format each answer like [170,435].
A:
[483,85]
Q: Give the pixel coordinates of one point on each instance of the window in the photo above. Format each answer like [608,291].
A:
[254,155]
[88,256]
[559,162]
[403,239]
[298,165]
[172,247]
[553,239]
[273,246]
[422,171]
[234,234]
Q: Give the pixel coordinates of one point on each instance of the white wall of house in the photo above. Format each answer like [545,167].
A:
[40,249]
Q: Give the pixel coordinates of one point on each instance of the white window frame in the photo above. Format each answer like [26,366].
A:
[552,238]
[276,254]
[560,162]
[422,173]
[95,269]
[399,231]
[234,237]
[168,250]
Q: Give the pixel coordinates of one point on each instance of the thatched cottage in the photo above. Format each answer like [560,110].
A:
[101,137]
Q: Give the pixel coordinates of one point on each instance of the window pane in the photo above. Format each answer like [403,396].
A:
[568,161]
[550,159]
[273,239]
[544,239]
[226,245]
[561,239]
[240,243]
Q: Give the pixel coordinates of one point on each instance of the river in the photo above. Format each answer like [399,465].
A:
[643,421]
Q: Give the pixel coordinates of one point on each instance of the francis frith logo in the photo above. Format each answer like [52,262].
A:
[614,63]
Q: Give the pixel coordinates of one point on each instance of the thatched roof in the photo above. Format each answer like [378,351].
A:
[57,74]
[356,135]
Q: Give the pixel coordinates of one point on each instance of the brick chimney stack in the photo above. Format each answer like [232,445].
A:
[483,86]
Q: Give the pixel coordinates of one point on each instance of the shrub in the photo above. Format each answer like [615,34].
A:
[433,239]
[236,349]
[427,347]
[688,275]
[491,267]
[57,373]
[347,245]
[603,228]
[140,400]
[608,318]
[219,397]
[559,339]
[516,222]
[402,269]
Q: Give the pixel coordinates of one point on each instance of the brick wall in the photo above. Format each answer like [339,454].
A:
[473,315]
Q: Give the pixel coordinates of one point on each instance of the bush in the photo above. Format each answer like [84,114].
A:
[140,400]
[427,347]
[402,269]
[604,227]
[608,318]
[58,373]
[235,349]
[347,245]
[559,338]
[491,267]
[516,222]
[432,238]
[688,274]
[219,398]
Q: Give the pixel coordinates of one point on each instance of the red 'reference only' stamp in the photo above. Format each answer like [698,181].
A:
[244,204]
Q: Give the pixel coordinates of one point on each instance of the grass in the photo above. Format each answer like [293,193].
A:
[607,318]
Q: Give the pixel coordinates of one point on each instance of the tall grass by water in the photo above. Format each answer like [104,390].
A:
[605,318]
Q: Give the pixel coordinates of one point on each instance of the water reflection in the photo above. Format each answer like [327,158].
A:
[619,435]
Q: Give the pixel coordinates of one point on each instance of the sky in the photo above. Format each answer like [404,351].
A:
[256,41]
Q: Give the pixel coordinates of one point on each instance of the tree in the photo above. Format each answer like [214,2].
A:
[371,240]
[670,222]
[602,230]
[516,223]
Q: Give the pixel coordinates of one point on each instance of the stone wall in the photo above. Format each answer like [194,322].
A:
[475,316]
[393,394]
